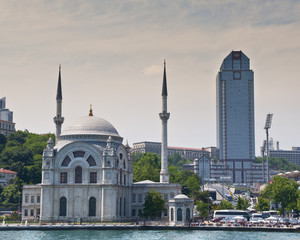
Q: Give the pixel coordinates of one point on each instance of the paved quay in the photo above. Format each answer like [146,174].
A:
[36,227]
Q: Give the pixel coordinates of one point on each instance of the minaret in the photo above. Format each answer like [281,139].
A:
[58,119]
[164,116]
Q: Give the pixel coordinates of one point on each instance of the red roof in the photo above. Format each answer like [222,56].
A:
[6,121]
[2,170]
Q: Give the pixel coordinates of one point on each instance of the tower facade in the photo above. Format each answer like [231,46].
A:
[164,116]
[235,117]
[58,119]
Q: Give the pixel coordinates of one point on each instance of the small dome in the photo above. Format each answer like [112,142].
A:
[181,196]
[90,125]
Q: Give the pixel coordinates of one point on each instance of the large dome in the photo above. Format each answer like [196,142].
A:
[90,125]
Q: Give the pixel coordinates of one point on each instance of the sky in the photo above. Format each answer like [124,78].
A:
[112,55]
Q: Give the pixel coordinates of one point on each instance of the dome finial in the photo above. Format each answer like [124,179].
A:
[91,111]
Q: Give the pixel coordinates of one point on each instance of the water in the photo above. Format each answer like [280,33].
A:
[145,235]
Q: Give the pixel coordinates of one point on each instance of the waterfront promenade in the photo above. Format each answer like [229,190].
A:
[111,226]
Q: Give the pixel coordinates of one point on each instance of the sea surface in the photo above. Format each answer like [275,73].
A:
[145,235]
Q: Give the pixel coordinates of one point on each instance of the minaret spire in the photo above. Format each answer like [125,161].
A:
[58,119]
[59,94]
[164,116]
[164,87]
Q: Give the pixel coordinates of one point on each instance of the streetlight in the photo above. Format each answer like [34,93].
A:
[267,127]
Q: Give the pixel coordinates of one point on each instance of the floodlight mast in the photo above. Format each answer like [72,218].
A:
[267,127]
[263,150]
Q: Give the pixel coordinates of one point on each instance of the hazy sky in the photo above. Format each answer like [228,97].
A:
[112,57]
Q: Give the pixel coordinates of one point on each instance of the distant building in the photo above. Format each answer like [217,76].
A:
[6,176]
[5,114]
[235,116]
[200,166]
[155,147]
[6,119]
[31,202]
[293,156]
[213,152]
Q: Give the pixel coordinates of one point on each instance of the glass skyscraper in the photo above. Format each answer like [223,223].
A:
[235,117]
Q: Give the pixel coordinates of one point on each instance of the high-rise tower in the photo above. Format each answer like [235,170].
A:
[58,119]
[164,116]
[235,116]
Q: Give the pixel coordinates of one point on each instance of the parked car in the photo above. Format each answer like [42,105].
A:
[218,219]
[294,221]
[285,221]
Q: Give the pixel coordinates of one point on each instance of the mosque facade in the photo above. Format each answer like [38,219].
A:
[88,174]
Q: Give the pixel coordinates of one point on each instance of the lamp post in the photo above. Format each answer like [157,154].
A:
[267,127]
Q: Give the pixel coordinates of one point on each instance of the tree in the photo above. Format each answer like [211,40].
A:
[284,191]
[279,163]
[2,142]
[262,205]
[226,204]
[154,204]
[147,168]
[177,160]
[203,209]
[192,185]
[201,196]
[10,196]
[242,203]
[18,136]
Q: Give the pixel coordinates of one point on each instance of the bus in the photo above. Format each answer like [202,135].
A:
[227,215]
[271,213]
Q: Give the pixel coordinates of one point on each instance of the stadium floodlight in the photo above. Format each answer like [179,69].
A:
[263,150]
[268,121]
[267,127]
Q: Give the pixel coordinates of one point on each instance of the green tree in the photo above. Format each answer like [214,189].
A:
[177,160]
[279,163]
[136,156]
[201,196]
[242,203]
[203,209]
[154,204]
[18,136]
[284,191]
[11,194]
[147,168]
[2,142]
[226,204]
[192,185]
[262,205]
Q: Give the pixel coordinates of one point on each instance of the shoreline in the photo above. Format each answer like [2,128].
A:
[16,227]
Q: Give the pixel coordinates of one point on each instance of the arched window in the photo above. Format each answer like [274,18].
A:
[63,207]
[92,207]
[179,214]
[91,161]
[188,214]
[66,161]
[172,214]
[78,175]
[78,154]
[120,213]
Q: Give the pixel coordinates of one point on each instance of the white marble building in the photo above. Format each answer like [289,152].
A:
[88,174]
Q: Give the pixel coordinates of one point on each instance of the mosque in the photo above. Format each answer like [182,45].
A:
[88,175]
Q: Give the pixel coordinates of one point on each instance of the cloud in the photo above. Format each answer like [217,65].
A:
[106,47]
[153,70]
